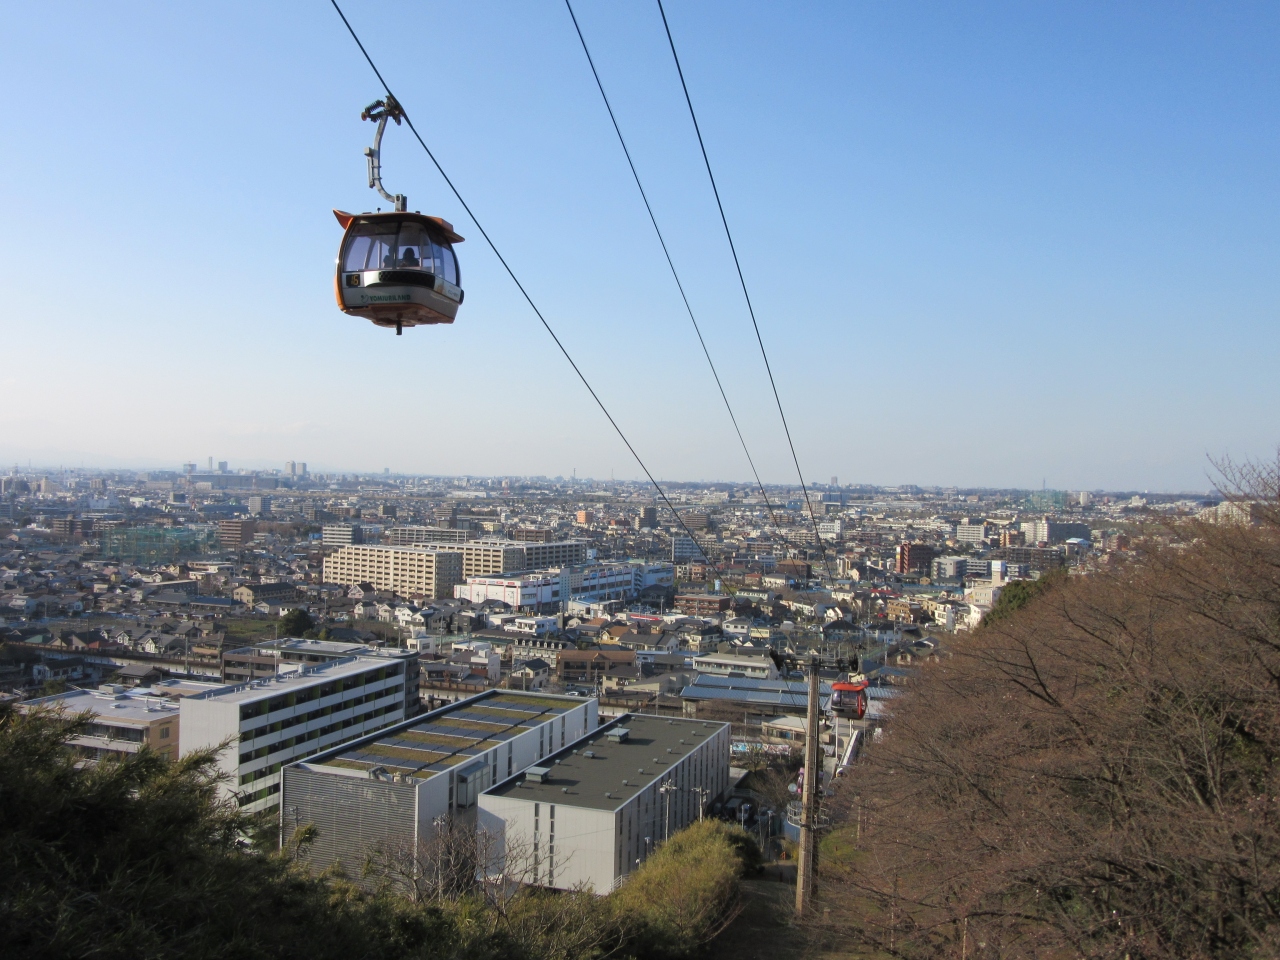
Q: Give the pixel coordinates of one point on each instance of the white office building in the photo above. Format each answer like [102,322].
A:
[272,722]
[592,812]
[387,791]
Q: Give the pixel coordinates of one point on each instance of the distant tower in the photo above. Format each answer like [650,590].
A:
[835,481]
[291,468]
[211,464]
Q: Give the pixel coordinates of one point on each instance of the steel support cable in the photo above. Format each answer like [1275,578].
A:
[514,279]
[670,263]
[743,281]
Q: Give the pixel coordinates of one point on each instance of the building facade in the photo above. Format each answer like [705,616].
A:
[272,722]
[123,721]
[403,779]
[408,571]
[591,813]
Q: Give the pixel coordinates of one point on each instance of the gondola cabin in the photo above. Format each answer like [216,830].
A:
[398,269]
[849,699]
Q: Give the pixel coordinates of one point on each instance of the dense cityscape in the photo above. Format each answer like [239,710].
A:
[483,704]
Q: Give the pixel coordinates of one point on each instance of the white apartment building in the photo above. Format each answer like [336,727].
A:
[730,665]
[592,812]
[595,581]
[423,571]
[968,531]
[272,722]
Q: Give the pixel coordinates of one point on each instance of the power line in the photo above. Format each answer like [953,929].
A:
[742,280]
[519,285]
[670,263]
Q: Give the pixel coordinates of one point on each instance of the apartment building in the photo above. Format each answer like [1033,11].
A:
[269,657]
[400,780]
[591,813]
[235,533]
[342,534]
[123,721]
[408,536]
[703,604]
[421,571]
[254,593]
[273,722]
[913,558]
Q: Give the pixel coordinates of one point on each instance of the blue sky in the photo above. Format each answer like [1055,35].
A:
[992,244]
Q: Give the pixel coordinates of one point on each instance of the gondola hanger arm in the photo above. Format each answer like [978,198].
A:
[381,111]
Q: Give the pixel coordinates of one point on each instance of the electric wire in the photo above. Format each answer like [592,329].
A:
[743,281]
[670,263]
[511,273]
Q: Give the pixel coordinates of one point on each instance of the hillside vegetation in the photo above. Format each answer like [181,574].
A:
[1091,774]
[138,858]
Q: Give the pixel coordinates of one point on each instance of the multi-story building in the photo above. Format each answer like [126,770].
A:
[272,722]
[259,505]
[532,534]
[483,558]
[269,657]
[949,568]
[590,666]
[753,666]
[593,811]
[971,531]
[422,571]
[408,536]
[703,604]
[523,591]
[648,518]
[552,555]
[123,721]
[402,780]
[342,534]
[235,533]
[254,593]
[913,558]
[1053,531]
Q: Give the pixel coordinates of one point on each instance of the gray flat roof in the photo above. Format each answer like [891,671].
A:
[616,772]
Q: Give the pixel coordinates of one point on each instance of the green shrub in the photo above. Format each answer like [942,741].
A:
[684,894]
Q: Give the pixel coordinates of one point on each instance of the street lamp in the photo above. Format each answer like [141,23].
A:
[668,787]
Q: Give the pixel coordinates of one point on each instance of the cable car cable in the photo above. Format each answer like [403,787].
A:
[742,280]
[511,273]
[670,263]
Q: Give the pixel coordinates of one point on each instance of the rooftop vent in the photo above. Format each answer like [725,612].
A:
[619,734]
[589,754]
[625,784]
[608,795]
[538,774]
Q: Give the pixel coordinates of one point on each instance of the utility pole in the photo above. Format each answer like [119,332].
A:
[809,795]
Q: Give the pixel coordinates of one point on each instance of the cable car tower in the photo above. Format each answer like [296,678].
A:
[397,269]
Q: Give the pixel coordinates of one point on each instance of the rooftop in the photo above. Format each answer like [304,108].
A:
[128,707]
[603,773]
[444,738]
[778,693]
[293,680]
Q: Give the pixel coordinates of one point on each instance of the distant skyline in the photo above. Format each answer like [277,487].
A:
[312,469]
[989,246]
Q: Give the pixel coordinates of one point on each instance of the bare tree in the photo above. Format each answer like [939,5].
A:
[1096,775]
